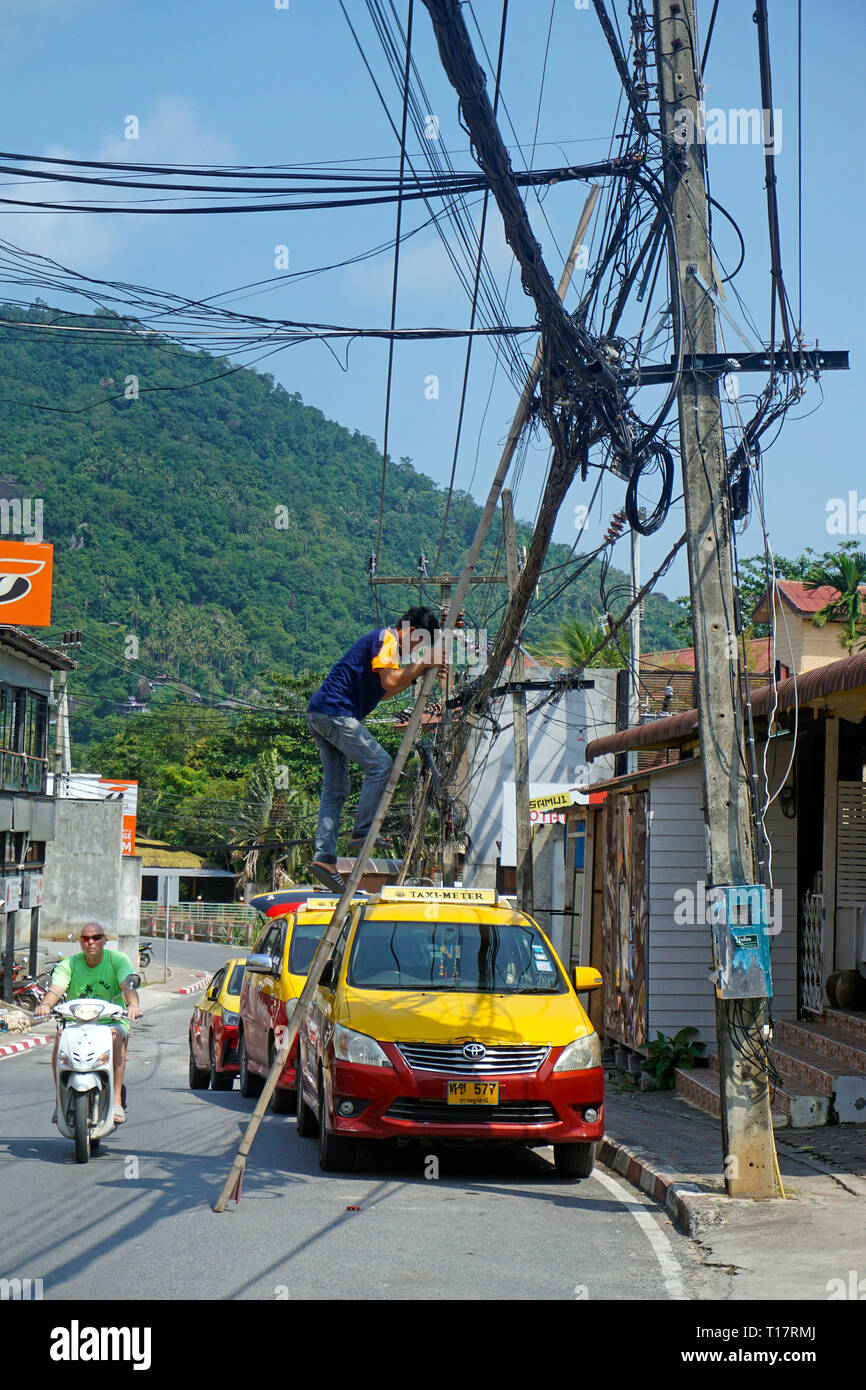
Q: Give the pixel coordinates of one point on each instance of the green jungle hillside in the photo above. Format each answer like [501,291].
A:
[208,534]
[225,527]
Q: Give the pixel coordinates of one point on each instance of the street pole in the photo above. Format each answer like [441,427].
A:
[521,733]
[165,944]
[59,735]
[750,1165]
[634,645]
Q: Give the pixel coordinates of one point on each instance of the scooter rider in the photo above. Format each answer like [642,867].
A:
[97,973]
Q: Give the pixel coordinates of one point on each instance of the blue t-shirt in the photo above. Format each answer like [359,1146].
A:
[353,686]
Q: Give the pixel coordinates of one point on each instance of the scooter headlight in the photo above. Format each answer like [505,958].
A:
[86,1013]
[102,1059]
[64,1058]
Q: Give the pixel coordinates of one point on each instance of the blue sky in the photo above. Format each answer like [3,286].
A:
[246,82]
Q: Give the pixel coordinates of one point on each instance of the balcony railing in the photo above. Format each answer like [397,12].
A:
[21,773]
[229,924]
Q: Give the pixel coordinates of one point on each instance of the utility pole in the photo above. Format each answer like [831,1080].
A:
[59,734]
[634,644]
[521,733]
[750,1165]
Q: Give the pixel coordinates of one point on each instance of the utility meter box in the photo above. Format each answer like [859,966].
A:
[741,942]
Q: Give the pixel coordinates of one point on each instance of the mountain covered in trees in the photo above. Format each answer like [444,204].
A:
[210,526]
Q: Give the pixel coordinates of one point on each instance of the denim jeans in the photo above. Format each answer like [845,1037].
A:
[341,740]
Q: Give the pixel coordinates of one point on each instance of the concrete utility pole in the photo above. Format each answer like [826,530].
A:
[60,736]
[634,644]
[751,1169]
[521,733]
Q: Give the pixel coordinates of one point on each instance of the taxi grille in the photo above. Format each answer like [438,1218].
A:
[448,1057]
[438,1112]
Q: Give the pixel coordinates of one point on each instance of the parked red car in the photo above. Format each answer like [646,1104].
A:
[213,1030]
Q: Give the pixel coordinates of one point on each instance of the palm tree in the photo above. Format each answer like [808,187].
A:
[846,573]
[574,645]
[268,823]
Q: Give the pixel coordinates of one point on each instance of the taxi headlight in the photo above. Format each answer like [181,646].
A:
[350,1046]
[580,1055]
[230,1018]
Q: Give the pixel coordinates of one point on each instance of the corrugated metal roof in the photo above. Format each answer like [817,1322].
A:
[683,658]
[836,678]
[800,597]
[26,645]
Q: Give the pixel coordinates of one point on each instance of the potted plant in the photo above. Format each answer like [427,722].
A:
[665,1054]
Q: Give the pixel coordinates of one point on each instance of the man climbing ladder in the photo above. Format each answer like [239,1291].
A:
[382,663]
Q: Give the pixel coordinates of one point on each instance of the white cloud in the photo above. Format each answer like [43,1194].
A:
[170,132]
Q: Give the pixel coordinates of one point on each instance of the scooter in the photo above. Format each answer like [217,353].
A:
[85,1072]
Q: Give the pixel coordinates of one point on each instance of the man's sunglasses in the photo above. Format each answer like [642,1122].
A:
[101,937]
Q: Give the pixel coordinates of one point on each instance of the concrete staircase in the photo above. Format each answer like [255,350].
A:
[822,1063]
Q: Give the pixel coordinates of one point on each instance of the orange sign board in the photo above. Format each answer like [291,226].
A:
[25,583]
[130,807]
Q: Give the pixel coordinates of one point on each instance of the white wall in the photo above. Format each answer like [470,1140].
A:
[558,734]
[680,993]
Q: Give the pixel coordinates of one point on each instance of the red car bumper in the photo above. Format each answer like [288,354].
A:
[397,1102]
[227,1049]
[288,1075]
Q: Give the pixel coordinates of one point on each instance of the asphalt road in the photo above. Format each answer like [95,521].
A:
[137,1220]
[189,955]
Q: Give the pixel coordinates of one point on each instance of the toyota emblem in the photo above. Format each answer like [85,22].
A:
[475,1051]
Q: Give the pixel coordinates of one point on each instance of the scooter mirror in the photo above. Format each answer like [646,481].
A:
[132,982]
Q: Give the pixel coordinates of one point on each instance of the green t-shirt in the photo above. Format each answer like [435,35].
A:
[74,978]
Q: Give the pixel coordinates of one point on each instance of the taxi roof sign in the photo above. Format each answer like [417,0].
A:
[393,892]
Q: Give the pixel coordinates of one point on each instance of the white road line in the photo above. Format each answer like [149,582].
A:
[662,1248]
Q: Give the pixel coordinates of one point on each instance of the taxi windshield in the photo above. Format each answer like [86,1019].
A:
[305,939]
[466,957]
[236,983]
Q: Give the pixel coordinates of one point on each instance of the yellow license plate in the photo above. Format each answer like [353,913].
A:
[473,1092]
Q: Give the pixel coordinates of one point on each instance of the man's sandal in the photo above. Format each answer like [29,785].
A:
[381,843]
[330,877]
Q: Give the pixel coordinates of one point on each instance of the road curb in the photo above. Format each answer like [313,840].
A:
[195,987]
[689,1208]
[23,1045]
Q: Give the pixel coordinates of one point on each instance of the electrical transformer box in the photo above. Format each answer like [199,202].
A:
[741,942]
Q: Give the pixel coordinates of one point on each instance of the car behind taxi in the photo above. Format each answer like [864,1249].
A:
[277,969]
[213,1030]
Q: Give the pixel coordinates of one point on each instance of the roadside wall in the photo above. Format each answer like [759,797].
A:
[86,877]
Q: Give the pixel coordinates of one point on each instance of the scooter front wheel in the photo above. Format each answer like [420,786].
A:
[81,1119]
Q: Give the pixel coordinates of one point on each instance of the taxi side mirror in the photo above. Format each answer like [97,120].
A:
[586,977]
[261,964]
[327,979]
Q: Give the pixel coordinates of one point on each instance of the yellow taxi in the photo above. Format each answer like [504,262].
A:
[276,972]
[213,1030]
[446,1014]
